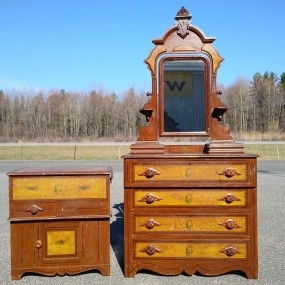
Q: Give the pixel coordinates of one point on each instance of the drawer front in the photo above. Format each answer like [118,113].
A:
[32,210]
[190,198]
[59,209]
[175,249]
[193,224]
[57,187]
[167,173]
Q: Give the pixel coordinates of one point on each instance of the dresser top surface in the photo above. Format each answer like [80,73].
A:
[189,156]
[55,170]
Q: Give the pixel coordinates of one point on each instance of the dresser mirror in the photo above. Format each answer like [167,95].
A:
[184,103]
[183,91]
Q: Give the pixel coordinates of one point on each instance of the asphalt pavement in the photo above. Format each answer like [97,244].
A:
[271,231]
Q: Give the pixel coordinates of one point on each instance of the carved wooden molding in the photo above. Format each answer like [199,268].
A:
[151,60]
[149,199]
[230,251]
[229,172]
[34,209]
[151,250]
[230,224]
[229,198]
[149,172]
[150,224]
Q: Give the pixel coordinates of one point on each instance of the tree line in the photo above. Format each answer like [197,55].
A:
[58,115]
[257,105]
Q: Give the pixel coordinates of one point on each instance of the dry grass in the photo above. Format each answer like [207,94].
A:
[267,151]
[108,152]
[258,136]
[62,152]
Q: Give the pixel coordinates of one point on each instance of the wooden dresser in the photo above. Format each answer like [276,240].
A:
[60,220]
[190,213]
[190,189]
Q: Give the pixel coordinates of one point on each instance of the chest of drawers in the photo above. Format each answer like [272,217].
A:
[190,213]
[60,220]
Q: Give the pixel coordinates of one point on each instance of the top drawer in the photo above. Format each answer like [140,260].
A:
[58,187]
[190,173]
[55,192]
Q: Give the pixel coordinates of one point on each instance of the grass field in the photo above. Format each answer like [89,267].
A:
[109,152]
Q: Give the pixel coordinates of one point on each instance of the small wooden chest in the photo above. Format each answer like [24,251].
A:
[60,220]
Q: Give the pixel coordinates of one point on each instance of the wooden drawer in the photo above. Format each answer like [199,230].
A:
[190,224]
[56,192]
[59,187]
[191,173]
[191,249]
[190,198]
[58,209]
[32,210]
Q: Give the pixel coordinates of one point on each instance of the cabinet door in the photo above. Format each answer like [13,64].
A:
[57,242]
[72,242]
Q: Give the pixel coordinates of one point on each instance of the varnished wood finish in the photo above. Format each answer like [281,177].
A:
[189,207]
[60,220]
[190,224]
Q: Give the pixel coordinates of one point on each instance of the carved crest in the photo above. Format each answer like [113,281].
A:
[182,21]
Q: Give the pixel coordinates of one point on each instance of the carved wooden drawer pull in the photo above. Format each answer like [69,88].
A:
[34,209]
[38,244]
[151,250]
[229,198]
[230,251]
[150,224]
[230,224]
[149,173]
[229,172]
[149,199]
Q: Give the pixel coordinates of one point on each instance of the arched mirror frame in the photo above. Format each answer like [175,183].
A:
[185,117]
[185,39]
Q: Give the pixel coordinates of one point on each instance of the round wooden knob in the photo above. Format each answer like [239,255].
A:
[38,244]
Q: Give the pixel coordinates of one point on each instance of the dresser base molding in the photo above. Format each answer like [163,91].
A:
[211,268]
[17,273]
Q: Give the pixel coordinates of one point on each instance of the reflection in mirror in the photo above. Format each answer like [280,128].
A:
[184,96]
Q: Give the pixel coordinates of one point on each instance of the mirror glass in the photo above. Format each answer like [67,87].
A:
[184,98]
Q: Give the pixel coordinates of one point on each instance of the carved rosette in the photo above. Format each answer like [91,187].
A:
[230,251]
[149,173]
[230,224]
[229,198]
[150,224]
[229,172]
[151,250]
[149,199]
[34,209]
